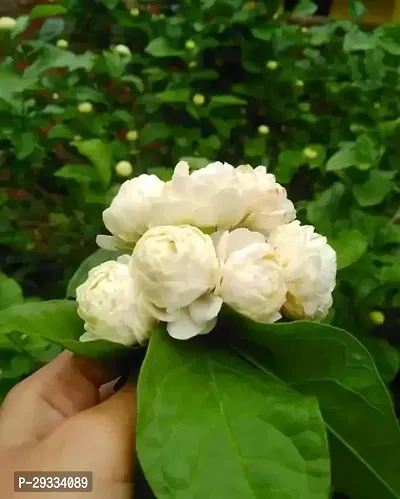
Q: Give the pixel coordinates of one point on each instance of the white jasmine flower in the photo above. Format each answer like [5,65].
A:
[174,266]
[309,267]
[209,198]
[266,202]
[251,281]
[129,214]
[111,306]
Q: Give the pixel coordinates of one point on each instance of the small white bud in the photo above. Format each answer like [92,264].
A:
[124,169]
[62,44]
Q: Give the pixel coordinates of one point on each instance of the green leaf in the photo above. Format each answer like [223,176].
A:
[51,29]
[53,57]
[79,173]
[226,100]
[100,154]
[161,172]
[264,33]
[61,132]
[386,357]
[357,8]
[256,147]
[288,163]
[319,160]
[154,131]
[358,40]
[375,189]
[389,38]
[332,365]
[10,292]
[25,144]
[368,151]
[176,95]
[344,158]
[98,257]
[196,163]
[349,245]
[21,25]
[46,11]
[58,322]
[305,8]
[160,47]
[210,425]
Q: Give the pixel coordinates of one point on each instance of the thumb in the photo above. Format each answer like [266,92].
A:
[100,439]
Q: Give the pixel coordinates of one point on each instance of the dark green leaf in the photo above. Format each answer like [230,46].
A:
[160,47]
[154,131]
[386,357]
[375,189]
[98,257]
[332,365]
[358,40]
[349,245]
[342,159]
[58,322]
[226,100]
[100,154]
[305,8]
[368,151]
[176,95]
[46,11]
[357,8]
[25,144]
[210,425]
[79,173]
[51,29]
[161,172]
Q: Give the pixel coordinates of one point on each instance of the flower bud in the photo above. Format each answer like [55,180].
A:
[377,317]
[263,129]
[123,50]
[55,96]
[85,107]
[304,29]
[77,138]
[62,44]
[7,23]
[192,64]
[199,99]
[272,65]
[124,169]
[132,135]
[310,153]
[190,45]
[299,83]
[134,12]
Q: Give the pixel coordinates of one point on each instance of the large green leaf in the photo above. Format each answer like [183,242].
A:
[375,189]
[10,292]
[98,257]
[210,425]
[332,365]
[57,322]
[349,245]
[100,154]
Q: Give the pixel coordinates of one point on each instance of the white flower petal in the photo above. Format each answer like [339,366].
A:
[205,308]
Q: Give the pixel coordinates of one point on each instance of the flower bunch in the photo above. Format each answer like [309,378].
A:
[217,235]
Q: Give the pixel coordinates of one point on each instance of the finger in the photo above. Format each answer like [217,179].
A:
[59,390]
[101,440]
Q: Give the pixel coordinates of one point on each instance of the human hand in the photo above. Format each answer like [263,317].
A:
[57,420]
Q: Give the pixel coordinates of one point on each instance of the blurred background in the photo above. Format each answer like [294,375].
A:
[93,93]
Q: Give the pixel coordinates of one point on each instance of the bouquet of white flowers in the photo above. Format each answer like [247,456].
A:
[218,235]
[265,399]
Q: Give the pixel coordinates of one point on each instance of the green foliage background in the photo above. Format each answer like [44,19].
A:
[329,100]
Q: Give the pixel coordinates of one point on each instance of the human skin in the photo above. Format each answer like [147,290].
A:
[58,420]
